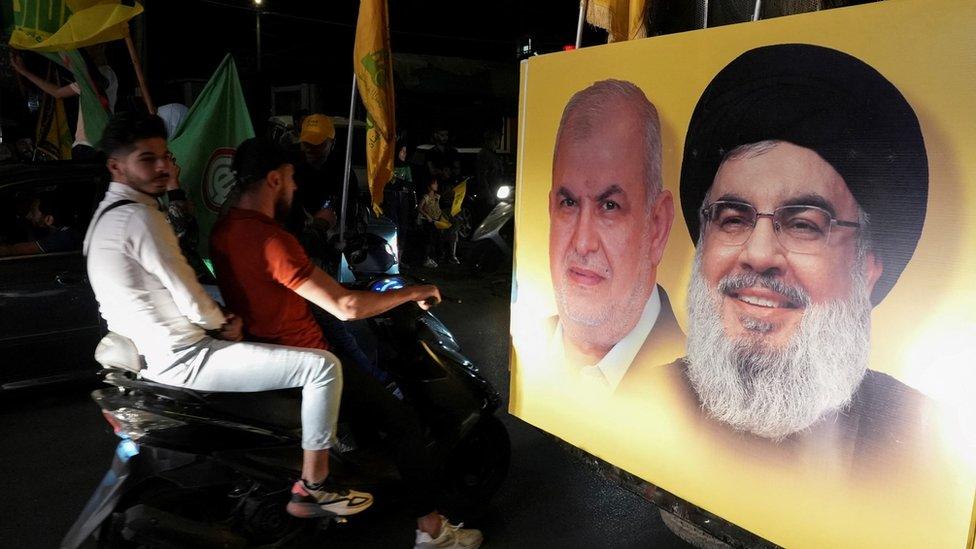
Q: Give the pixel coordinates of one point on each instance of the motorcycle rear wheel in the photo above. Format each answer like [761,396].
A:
[261,520]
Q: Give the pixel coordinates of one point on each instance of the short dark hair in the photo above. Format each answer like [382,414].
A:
[124,129]
[254,158]
[49,203]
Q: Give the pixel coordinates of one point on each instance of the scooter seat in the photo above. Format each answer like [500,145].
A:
[118,351]
[280,409]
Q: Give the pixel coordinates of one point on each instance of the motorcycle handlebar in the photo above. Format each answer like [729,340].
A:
[444,298]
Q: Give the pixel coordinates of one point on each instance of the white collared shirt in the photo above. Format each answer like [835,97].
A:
[145,289]
[613,366]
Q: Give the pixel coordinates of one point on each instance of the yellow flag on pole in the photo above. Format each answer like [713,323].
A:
[373,64]
[53,137]
[90,22]
[622,19]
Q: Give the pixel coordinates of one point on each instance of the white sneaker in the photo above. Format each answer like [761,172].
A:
[451,536]
[308,502]
[430,263]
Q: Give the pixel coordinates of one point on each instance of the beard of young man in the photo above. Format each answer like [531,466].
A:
[152,184]
[773,392]
[283,204]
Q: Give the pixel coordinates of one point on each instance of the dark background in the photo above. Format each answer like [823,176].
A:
[455,62]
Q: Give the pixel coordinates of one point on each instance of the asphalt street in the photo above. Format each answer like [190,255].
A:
[56,447]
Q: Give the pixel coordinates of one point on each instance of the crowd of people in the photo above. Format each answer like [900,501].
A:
[423,199]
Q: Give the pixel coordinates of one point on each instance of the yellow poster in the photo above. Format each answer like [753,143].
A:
[744,269]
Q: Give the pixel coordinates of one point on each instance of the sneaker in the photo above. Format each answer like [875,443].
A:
[309,502]
[430,263]
[454,260]
[451,536]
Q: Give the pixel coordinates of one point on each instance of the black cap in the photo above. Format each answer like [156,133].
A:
[255,157]
[839,107]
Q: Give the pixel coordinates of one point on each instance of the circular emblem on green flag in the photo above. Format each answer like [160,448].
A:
[218,179]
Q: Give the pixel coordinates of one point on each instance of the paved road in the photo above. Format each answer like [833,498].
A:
[55,446]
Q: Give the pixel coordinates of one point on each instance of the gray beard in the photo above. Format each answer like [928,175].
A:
[775,392]
[608,324]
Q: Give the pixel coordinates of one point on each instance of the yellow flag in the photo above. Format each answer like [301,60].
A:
[373,64]
[622,19]
[52,135]
[91,22]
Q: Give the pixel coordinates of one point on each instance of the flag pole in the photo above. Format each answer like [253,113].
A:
[579,25]
[139,76]
[345,174]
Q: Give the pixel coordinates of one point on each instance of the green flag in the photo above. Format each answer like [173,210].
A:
[93,110]
[52,137]
[205,142]
[34,22]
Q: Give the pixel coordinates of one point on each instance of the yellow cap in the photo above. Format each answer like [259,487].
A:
[316,128]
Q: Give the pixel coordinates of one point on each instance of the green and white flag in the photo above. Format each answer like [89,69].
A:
[56,29]
[205,142]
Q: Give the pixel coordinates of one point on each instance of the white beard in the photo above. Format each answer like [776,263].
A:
[605,323]
[775,392]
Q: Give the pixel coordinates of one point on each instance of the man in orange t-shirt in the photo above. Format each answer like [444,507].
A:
[266,277]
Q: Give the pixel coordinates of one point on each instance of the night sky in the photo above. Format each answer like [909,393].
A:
[312,42]
[183,41]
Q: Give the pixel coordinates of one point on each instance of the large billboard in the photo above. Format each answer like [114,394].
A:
[744,268]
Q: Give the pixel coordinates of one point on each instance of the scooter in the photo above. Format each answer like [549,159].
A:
[491,242]
[196,469]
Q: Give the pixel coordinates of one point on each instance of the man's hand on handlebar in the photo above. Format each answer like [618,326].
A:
[327,215]
[233,329]
[428,296]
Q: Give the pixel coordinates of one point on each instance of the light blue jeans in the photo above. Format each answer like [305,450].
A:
[214,365]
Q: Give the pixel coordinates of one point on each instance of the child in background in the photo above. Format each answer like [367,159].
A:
[429,213]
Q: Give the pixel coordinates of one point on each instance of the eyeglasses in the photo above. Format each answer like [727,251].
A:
[799,229]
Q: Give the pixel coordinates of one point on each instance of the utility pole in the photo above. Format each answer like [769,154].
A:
[257,29]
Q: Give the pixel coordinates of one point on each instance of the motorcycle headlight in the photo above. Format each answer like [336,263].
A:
[388,283]
[503,192]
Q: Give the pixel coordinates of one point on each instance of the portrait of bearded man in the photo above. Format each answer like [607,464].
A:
[610,219]
[803,183]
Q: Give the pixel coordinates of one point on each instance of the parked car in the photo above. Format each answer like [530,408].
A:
[49,321]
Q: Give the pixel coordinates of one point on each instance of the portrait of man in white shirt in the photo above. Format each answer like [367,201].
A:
[610,218]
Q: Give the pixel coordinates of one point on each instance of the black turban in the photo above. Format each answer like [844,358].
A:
[835,105]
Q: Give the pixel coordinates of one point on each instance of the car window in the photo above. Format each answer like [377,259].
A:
[38,218]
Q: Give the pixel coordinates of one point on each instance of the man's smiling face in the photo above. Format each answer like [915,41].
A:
[785,282]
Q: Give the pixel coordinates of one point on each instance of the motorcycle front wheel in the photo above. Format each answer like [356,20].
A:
[478,465]
[485,258]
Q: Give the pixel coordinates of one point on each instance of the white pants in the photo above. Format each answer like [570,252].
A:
[214,365]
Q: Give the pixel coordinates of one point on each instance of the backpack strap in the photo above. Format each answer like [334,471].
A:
[107,209]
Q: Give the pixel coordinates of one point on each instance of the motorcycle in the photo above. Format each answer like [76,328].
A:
[491,243]
[214,469]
